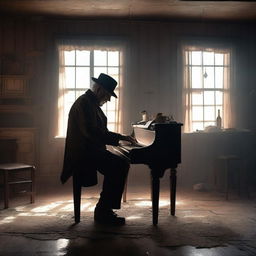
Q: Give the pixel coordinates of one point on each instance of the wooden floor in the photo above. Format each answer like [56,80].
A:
[205,224]
[131,247]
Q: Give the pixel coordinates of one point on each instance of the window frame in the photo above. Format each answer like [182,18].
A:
[198,45]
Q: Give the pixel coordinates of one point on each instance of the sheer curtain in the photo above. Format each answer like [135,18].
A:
[63,45]
[228,82]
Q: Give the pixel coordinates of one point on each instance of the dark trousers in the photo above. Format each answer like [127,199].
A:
[115,169]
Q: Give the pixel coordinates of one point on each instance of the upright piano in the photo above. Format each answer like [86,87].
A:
[158,147]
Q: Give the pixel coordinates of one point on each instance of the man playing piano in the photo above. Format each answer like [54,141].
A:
[86,152]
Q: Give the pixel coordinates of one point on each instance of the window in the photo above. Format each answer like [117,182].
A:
[207,86]
[76,67]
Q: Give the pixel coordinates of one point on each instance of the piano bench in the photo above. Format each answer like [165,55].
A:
[17,169]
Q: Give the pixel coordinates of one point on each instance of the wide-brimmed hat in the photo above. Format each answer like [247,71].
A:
[107,82]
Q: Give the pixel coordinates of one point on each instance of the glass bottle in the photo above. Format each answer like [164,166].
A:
[218,120]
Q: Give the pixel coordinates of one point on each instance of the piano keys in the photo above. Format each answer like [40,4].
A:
[159,149]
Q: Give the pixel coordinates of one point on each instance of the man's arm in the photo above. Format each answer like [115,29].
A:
[128,138]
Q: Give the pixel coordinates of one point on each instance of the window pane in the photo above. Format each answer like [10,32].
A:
[69,77]
[196,77]
[197,113]
[99,70]
[219,59]
[219,77]
[209,123]
[104,108]
[197,98]
[208,58]
[197,126]
[219,97]
[83,58]
[111,116]
[69,57]
[208,98]
[82,77]
[79,93]
[100,58]
[111,127]
[113,58]
[111,105]
[113,71]
[209,77]
[196,58]
[209,113]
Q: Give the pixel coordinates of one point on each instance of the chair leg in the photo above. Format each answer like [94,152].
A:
[6,190]
[77,199]
[239,177]
[215,174]
[227,178]
[245,168]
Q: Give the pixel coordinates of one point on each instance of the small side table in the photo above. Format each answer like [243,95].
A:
[9,168]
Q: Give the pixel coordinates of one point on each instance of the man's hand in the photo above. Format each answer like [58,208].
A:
[129,138]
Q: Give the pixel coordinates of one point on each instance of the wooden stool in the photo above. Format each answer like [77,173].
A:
[9,168]
[228,172]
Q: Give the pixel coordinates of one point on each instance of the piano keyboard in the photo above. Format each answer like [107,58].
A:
[130,147]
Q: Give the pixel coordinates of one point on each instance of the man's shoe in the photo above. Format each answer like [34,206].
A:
[108,217]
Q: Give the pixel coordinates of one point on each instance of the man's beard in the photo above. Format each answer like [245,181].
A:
[102,103]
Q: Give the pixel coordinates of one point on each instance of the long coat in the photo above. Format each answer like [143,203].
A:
[87,137]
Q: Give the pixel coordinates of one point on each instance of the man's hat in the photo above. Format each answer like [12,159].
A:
[107,82]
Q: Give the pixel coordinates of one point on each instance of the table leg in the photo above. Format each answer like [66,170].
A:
[32,196]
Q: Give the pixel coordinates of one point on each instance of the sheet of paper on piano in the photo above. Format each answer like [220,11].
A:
[145,125]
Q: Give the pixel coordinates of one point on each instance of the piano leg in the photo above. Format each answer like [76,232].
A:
[155,198]
[77,198]
[173,180]
[125,191]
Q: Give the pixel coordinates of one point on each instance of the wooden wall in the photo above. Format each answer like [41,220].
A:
[27,46]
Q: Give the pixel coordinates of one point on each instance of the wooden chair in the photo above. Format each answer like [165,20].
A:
[8,170]
[228,172]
